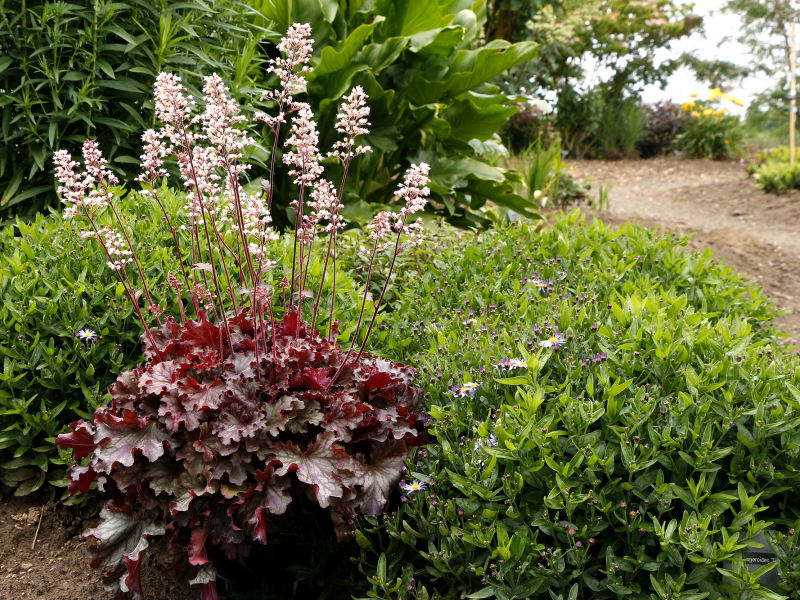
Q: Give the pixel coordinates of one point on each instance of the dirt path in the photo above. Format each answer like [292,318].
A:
[757,233]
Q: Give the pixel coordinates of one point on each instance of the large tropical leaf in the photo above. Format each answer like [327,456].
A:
[470,69]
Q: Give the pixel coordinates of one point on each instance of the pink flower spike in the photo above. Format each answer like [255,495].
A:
[352,122]
[415,188]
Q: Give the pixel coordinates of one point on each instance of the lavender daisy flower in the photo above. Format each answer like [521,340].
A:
[541,285]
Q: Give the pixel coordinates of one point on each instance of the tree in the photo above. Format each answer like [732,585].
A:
[622,36]
[766,30]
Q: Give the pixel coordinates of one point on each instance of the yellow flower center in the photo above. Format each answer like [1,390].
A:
[553,340]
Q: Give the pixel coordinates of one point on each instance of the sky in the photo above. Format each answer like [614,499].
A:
[707,46]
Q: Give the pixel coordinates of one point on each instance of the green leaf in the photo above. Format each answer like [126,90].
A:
[513,380]
[407,17]
[470,69]
[486,592]
[331,60]
[468,121]
[436,41]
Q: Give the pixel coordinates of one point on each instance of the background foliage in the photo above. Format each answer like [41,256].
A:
[72,71]
[426,76]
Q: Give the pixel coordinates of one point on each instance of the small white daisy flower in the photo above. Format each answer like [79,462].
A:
[516,363]
[554,341]
[86,335]
[416,486]
[471,322]
[467,388]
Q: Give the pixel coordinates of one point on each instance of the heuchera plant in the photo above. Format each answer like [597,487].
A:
[236,412]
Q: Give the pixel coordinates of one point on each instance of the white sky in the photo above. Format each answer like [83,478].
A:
[707,46]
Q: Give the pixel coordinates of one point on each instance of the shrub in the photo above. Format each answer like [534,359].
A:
[199,439]
[426,71]
[74,70]
[623,125]
[778,177]
[530,125]
[710,132]
[764,156]
[54,285]
[546,178]
[215,448]
[609,419]
[664,122]
[579,117]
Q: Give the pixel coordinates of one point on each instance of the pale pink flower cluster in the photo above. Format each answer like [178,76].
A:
[84,193]
[303,137]
[115,245]
[325,205]
[257,230]
[173,108]
[414,189]
[219,119]
[351,121]
[152,161]
[297,48]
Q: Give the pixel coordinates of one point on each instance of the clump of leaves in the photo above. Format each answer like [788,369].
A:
[78,69]
[778,177]
[665,122]
[208,447]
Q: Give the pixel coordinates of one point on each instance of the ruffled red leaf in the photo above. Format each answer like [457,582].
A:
[312,379]
[203,333]
[81,440]
[322,466]
[378,476]
[122,532]
[80,479]
[197,547]
[133,581]
[120,438]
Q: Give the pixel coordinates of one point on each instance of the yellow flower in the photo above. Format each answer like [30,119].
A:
[694,95]
[708,111]
[688,106]
[695,113]
[722,111]
[736,101]
[715,93]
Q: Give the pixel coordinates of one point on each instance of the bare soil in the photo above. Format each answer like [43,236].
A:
[756,233]
[57,568]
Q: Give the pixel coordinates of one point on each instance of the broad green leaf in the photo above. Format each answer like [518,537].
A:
[468,121]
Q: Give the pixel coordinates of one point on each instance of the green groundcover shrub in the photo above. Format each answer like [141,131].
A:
[764,156]
[53,284]
[778,177]
[610,417]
